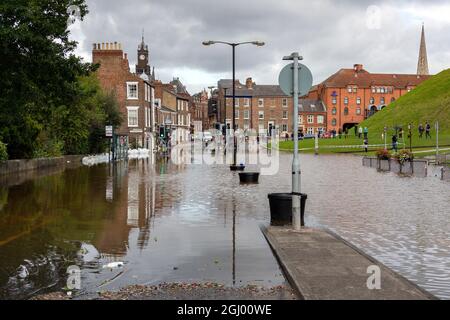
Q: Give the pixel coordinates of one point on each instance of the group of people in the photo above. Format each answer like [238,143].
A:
[426,129]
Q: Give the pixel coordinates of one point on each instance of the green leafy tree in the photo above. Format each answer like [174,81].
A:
[39,78]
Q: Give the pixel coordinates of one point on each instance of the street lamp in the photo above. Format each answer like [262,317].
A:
[234,45]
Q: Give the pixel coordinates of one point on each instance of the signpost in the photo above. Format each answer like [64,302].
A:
[109,134]
[295,80]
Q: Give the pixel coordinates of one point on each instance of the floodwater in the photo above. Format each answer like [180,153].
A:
[196,223]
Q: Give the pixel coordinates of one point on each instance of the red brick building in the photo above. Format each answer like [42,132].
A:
[262,107]
[352,95]
[134,93]
[199,112]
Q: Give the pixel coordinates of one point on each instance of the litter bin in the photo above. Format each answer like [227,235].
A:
[249,177]
[281,208]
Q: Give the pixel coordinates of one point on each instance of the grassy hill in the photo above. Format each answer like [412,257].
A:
[430,102]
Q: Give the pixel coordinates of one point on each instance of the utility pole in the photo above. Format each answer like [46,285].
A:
[437,141]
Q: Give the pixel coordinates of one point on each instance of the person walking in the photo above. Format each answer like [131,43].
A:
[421,131]
[394,143]
[366,144]
[427,131]
[366,132]
[360,132]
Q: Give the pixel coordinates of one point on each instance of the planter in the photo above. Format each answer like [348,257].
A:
[281,208]
[237,168]
[249,177]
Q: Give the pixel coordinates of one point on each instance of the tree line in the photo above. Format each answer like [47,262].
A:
[51,102]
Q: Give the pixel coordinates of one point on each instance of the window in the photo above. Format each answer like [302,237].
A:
[261,102]
[284,127]
[310,131]
[374,90]
[285,102]
[382,100]
[372,100]
[346,100]
[300,119]
[246,102]
[333,122]
[132,90]
[358,111]
[261,115]
[334,100]
[236,102]
[320,119]
[378,90]
[310,119]
[246,114]
[355,89]
[345,111]
[349,89]
[333,111]
[236,114]
[133,116]
[285,114]
[358,100]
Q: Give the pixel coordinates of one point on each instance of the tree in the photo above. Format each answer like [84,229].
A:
[38,75]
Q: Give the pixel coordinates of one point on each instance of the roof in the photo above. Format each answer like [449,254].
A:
[257,90]
[364,79]
[310,105]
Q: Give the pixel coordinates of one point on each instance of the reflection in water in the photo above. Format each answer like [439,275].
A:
[176,223]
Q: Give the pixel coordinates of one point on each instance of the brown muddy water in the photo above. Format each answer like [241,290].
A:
[195,223]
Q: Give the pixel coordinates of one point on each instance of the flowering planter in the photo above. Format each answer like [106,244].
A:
[281,208]
[249,177]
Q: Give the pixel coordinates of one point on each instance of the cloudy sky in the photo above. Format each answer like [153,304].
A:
[382,35]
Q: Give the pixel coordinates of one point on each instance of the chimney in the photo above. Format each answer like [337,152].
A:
[249,83]
[358,67]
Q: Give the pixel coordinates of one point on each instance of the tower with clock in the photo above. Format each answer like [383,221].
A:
[143,60]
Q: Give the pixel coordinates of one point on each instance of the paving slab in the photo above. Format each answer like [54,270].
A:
[322,266]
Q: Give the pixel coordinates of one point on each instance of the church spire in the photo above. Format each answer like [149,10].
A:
[422,65]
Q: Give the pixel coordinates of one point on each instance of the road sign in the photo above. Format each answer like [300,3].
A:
[286,79]
[109,131]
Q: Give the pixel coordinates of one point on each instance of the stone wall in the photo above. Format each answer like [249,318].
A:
[16,166]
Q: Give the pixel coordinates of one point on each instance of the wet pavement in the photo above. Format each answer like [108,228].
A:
[196,224]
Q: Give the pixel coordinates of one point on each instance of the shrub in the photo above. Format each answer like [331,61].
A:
[383,154]
[404,156]
[3,152]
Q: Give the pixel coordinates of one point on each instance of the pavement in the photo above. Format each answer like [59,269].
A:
[321,266]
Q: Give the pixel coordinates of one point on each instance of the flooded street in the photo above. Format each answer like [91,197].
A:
[196,223]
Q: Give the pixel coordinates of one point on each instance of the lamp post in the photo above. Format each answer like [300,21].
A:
[233,46]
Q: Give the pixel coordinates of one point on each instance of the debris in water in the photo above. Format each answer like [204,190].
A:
[113,265]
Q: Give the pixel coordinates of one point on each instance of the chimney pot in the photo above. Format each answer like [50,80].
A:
[358,67]
[249,83]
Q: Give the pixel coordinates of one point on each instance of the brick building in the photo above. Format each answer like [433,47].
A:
[262,107]
[172,104]
[134,93]
[199,114]
[352,95]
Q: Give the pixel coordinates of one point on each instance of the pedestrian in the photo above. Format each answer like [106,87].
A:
[257,139]
[356,130]
[340,133]
[366,132]
[394,143]
[421,131]
[360,132]
[346,133]
[427,131]
[366,144]
[286,137]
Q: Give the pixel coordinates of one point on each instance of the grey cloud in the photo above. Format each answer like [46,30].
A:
[329,34]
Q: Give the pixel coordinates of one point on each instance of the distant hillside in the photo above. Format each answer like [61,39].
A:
[430,101]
